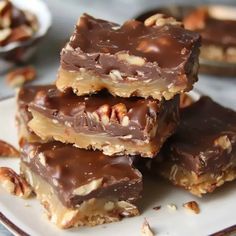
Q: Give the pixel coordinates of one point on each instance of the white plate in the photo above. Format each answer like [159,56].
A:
[218,210]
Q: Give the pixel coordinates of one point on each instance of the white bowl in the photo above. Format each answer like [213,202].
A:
[16,52]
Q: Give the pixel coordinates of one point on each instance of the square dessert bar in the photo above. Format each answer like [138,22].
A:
[201,155]
[217,31]
[79,187]
[158,58]
[115,125]
[24,96]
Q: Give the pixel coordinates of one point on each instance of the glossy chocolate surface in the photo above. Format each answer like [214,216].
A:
[67,168]
[193,145]
[168,50]
[27,95]
[78,111]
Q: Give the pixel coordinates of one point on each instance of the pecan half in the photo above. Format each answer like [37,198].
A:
[20,76]
[14,183]
[118,113]
[7,150]
[104,113]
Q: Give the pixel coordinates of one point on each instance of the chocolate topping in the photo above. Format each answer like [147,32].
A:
[67,168]
[196,145]
[81,112]
[27,95]
[168,51]
[156,44]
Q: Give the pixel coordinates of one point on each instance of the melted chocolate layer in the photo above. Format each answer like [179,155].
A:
[77,112]
[67,168]
[168,51]
[194,145]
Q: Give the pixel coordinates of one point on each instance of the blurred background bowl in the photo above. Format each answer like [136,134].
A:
[20,52]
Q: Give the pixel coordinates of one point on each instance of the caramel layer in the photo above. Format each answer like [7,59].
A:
[48,130]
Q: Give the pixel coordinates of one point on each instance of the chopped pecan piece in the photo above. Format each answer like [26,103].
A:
[156,208]
[117,113]
[14,183]
[104,114]
[172,206]
[192,206]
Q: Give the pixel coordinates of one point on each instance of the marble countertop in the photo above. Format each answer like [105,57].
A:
[65,14]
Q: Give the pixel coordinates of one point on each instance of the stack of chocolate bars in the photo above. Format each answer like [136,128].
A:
[116,99]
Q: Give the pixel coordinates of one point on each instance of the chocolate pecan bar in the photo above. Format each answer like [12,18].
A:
[201,155]
[158,58]
[79,187]
[114,125]
[216,24]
